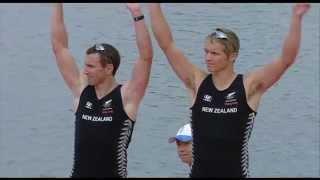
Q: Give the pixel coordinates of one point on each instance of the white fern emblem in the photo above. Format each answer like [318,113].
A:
[244,150]
[123,143]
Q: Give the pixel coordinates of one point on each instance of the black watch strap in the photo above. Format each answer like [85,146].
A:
[138,18]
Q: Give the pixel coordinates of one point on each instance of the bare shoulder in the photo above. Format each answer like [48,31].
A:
[253,95]
[83,81]
[130,106]
[250,80]
[248,83]
[124,90]
[246,79]
[200,76]
[83,84]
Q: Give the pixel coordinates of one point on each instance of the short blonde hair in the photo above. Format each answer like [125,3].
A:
[231,42]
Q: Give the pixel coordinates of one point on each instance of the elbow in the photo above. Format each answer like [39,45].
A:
[148,56]
[288,61]
[54,44]
[57,47]
[166,46]
[59,41]
[289,55]
[165,43]
[148,59]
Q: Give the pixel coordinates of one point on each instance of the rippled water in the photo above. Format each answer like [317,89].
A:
[37,126]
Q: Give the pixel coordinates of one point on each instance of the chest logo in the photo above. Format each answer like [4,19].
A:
[107,103]
[231,95]
[88,105]
[207,98]
[230,99]
[107,109]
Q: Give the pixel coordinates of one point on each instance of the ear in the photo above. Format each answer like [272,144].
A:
[233,57]
[109,69]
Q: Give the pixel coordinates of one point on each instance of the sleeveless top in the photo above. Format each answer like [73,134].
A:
[221,122]
[103,132]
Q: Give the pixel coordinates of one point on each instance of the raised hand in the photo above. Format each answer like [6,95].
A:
[301,8]
[134,8]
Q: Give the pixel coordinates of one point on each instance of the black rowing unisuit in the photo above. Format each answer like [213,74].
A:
[103,132]
[222,122]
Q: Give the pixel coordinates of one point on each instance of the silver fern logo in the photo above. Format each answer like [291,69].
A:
[107,103]
[107,108]
[231,95]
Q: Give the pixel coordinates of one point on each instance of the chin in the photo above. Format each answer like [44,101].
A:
[91,83]
[209,68]
[212,70]
[186,161]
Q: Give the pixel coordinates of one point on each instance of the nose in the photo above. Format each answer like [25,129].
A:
[208,60]
[208,57]
[85,70]
[181,150]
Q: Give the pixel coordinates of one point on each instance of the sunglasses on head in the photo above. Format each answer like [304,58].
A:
[219,35]
[99,47]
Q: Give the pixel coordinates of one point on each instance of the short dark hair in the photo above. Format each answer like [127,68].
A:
[108,55]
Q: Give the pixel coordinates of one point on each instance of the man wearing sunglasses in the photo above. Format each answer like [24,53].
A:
[105,110]
[224,103]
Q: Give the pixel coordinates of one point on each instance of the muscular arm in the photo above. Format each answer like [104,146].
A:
[187,72]
[262,79]
[64,59]
[135,88]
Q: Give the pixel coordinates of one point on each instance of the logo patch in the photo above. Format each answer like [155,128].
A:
[207,98]
[107,103]
[88,105]
[230,99]
[107,109]
[231,95]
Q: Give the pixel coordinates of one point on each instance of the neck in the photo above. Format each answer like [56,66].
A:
[105,87]
[224,78]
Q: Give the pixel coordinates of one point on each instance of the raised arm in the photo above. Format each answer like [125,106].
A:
[262,79]
[135,88]
[186,71]
[64,59]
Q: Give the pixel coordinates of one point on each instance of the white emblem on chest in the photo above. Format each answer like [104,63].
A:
[207,98]
[88,105]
